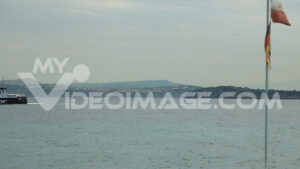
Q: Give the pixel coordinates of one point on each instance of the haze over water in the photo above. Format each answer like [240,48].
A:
[147,139]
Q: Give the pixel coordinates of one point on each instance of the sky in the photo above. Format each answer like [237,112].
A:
[197,42]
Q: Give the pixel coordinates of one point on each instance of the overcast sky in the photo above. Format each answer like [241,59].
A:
[199,42]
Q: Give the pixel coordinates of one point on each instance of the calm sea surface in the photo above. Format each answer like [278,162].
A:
[31,138]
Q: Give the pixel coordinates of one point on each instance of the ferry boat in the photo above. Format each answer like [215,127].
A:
[11,98]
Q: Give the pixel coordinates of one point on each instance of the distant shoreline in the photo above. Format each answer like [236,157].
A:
[158,88]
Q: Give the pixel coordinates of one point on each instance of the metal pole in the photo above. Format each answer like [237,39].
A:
[267,94]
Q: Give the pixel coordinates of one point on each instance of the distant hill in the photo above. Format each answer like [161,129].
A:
[136,84]
[291,85]
[18,82]
[158,87]
[217,91]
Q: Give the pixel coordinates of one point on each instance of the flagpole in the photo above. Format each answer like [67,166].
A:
[267,94]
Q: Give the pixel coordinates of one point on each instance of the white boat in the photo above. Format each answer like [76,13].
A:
[11,98]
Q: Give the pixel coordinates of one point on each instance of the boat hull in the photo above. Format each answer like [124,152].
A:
[17,100]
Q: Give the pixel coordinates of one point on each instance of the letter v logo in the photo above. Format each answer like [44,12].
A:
[80,73]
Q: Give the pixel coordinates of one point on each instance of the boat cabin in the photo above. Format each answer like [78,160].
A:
[2,90]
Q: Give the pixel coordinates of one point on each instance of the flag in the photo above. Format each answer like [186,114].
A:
[268,45]
[277,13]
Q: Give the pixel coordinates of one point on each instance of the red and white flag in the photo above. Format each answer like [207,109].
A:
[277,13]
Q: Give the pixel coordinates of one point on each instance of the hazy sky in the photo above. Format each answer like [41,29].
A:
[200,42]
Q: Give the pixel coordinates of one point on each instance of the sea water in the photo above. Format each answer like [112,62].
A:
[31,138]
